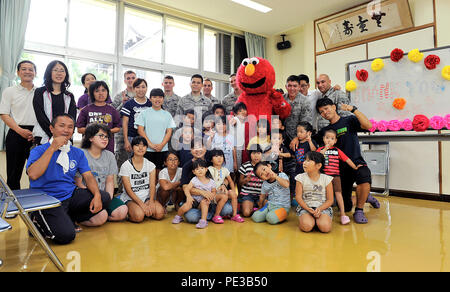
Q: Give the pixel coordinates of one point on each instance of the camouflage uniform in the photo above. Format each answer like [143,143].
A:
[171,104]
[338,97]
[229,101]
[300,112]
[214,100]
[120,152]
[189,102]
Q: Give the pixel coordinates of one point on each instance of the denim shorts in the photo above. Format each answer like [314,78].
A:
[301,211]
[250,197]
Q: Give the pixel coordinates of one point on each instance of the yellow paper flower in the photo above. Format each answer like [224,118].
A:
[377,65]
[351,86]
[415,55]
[446,73]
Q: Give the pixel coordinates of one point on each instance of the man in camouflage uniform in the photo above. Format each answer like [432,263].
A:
[230,100]
[301,109]
[337,96]
[195,100]
[118,102]
[170,99]
[207,89]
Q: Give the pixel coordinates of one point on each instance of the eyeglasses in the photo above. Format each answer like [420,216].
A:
[172,159]
[102,136]
[59,71]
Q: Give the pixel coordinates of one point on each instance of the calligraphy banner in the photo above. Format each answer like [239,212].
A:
[376,19]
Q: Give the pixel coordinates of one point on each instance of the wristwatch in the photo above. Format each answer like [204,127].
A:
[354,109]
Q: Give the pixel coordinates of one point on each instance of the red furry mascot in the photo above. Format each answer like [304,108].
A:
[256,78]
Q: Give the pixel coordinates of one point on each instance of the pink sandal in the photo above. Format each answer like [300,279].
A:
[238,218]
[217,220]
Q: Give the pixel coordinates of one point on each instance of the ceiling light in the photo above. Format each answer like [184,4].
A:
[253,5]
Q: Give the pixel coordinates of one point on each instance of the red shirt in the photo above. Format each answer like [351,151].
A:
[332,157]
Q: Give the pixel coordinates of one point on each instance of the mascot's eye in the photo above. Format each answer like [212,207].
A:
[245,62]
[254,61]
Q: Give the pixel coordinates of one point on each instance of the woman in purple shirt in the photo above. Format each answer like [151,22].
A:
[99,112]
[87,79]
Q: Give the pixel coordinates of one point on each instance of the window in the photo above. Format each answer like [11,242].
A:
[142,35]
[46,29]
[182,84]
[92,25]
[217,51]
[182,43]
[78,68]
[153,78]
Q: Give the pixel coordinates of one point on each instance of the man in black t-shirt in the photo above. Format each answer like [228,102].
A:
[347,129]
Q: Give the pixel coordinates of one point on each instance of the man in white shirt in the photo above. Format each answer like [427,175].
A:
[16,110]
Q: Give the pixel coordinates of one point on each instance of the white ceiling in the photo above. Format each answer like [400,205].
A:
[286,14]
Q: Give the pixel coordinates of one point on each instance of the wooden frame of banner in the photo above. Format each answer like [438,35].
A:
[326,30]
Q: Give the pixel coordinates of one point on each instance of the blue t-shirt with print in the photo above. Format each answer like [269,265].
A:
[54,182]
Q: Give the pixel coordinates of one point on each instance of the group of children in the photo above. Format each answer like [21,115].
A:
[261,178]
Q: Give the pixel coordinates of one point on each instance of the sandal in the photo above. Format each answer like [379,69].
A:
[217,220]
[373,202]
[238,218]
[359,217]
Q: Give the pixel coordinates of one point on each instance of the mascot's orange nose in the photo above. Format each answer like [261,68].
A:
[250,70]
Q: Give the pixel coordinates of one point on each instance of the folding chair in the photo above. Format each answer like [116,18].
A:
[4,226]
[25,201]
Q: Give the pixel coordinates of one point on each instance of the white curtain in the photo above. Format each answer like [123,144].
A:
[256,45]
[13,24]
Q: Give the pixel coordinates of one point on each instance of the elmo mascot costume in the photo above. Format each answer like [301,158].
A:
[256,78]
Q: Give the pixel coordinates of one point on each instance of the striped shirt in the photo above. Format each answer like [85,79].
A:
[253,187]
[332,157]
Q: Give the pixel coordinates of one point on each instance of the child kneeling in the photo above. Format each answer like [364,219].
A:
[276,187]
[314,194]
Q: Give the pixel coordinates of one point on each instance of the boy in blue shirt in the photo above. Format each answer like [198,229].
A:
[51,168]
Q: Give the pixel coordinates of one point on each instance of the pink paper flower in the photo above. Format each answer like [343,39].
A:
[382,126]
[447,121]
[394,125]
[374,126]
[407,125]
[437,122]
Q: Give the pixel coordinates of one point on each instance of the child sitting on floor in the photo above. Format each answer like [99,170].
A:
[314,194]
[276,187]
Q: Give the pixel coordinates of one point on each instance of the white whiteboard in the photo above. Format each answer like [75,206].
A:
[426,91]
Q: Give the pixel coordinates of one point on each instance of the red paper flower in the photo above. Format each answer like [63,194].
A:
[420,123]
[362,75]
[397,55]
[432,61]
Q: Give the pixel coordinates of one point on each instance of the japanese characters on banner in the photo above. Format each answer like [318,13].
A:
[366,23]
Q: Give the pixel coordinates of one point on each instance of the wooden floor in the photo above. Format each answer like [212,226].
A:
[404,235]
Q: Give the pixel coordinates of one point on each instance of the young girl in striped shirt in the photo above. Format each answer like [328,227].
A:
[332,156]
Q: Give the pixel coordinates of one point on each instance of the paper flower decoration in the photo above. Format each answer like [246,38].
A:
[399,103]
[415,56]
[394,125]
[362,75]
[407,125]
[382,126]
[377,65]
[420,123]
[351,86]
[432,61]
[446,73]
[374,126]
[397,55]
[447,121]
[437,122]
